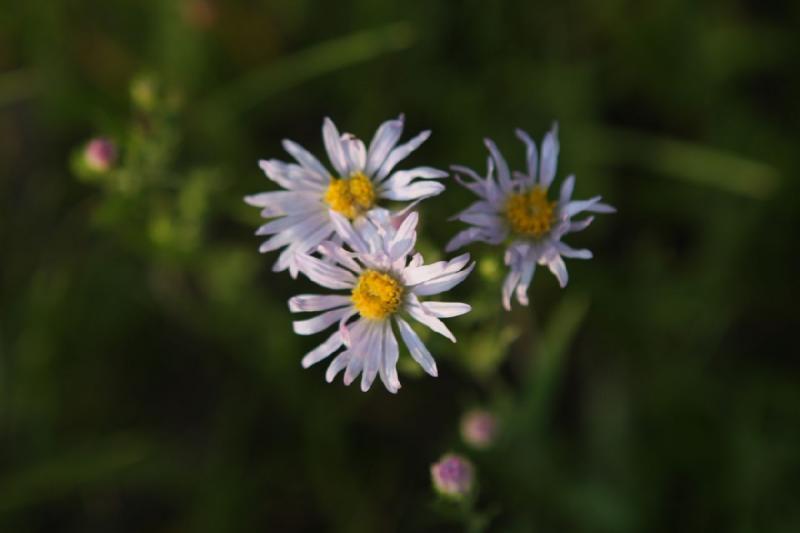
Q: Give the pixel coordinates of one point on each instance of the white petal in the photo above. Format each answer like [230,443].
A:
[322,351]
[303,244]
[442,283]
[326,275]
[567,251]
[306,160]
[491,221]
[338,254]
[422,316]
[446,309]
[418,189]
[353,368]
[307,207]
[346,231]
[319,322]
[503,174]
[566,190]
[413,276]
[279,224]
[354,152]
[418,350]
[470,235]
[403,241]
[294,233]
[317,302]
[601,208]
[509,284]
[373,355]
[292,177]
[477,208]
[573,208]
[391,352]
[416,260]
[333,145]
[281,199]
[531,155]
[404,177]
[559,270]
[526,276]
[580,225]
[368,231]
[336,366]
[549,157]
[468,171]
[384,140]
[400,153]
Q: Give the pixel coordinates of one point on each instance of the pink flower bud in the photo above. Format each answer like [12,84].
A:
[100,154]
[478,428]
[453,476]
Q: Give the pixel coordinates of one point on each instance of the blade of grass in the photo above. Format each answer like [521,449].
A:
[329,56]
[113,462]
[690,162]
[551,354]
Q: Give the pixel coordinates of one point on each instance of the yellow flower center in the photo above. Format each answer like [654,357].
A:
[351,196]
[376,294]
[530,213]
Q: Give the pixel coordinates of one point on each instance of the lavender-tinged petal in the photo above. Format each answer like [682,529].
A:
[531,155]
[503,174]
[559,270]
[306,160]
[446,309]
[417,348]
[337,365]
[317,302]
[400,153]
[333,145]
[326,275]
[567,251]
[549,161]
[385,139]
[324,350]
[443,283]
[319,322]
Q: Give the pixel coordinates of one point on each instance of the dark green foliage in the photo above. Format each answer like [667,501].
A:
[149,378]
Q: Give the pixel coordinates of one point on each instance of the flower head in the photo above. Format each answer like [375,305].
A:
[362,178]
[453,476]
[100,154]
[478,428]
[384,280]
[519,210]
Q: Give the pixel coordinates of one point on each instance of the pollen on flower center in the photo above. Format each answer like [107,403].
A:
[376,294]
[351,196]
[530,213]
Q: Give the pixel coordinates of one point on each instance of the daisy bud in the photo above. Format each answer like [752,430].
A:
[100,154]
[453,476]
[478,428]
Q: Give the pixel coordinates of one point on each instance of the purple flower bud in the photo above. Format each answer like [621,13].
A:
[478,428]
[100,154]
[453,476]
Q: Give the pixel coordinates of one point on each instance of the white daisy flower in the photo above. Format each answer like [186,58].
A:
[384,280]
[361,179]
[518,209]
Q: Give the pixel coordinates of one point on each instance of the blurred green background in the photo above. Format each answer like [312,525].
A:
[149,378]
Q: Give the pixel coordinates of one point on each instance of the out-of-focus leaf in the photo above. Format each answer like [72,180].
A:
[551,355]
[320,59]
[687,161]
[108,463]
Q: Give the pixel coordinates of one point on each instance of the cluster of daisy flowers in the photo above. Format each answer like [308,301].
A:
[333,226]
